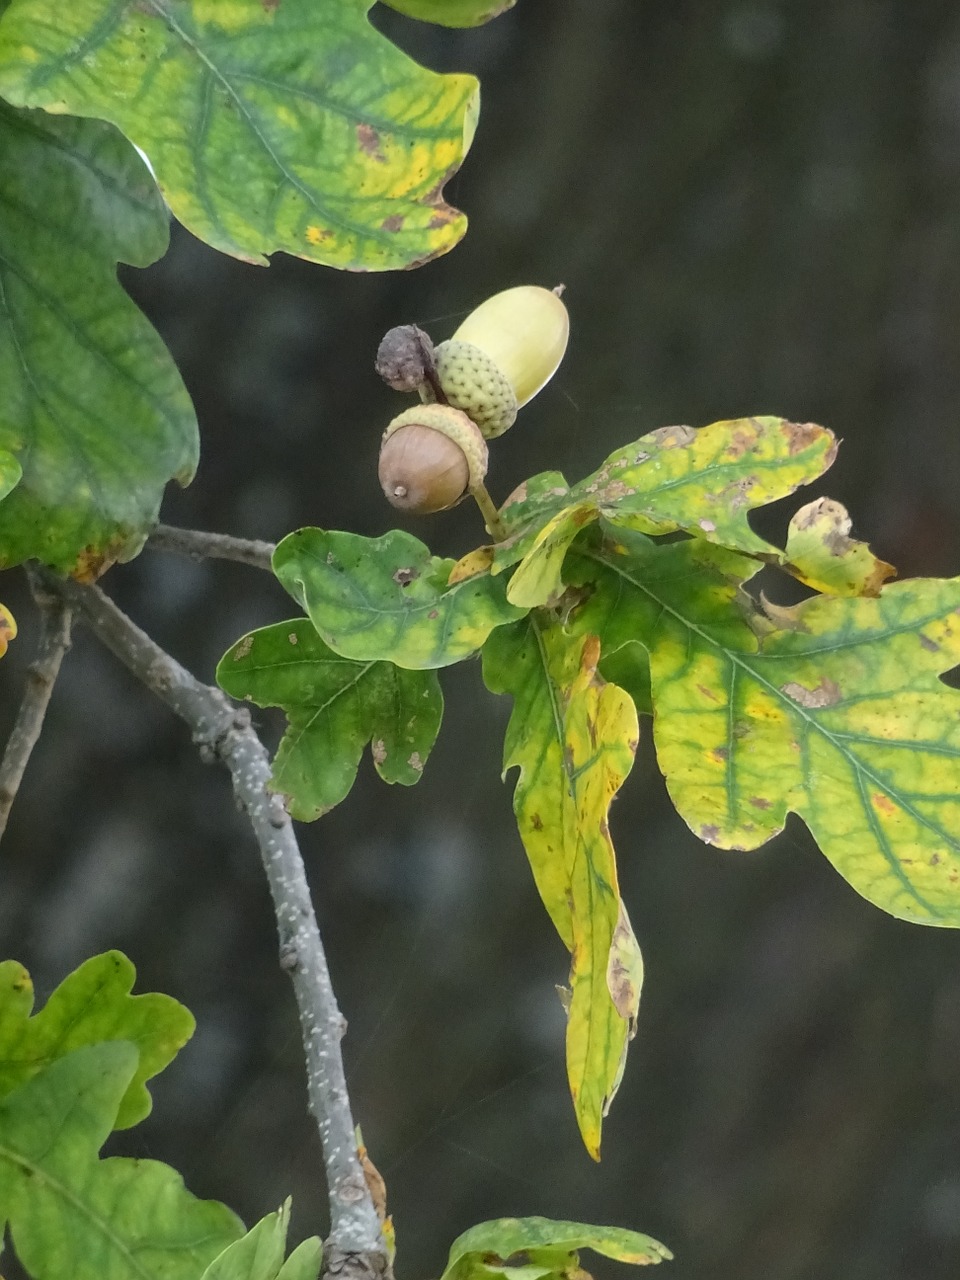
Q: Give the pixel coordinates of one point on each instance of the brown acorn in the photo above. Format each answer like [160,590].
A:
[431,457]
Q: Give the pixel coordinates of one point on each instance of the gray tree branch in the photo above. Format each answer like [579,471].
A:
[355,1247]
[41,677]
[200,545]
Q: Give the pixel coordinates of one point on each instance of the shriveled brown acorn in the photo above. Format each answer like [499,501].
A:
[431,457]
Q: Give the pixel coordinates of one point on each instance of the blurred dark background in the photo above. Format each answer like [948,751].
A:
[755,207]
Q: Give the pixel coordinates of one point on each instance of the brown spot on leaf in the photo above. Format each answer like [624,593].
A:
[759,802]
[403,577]
[800,435]
[930,645]
[369,141]
[270,6]
[378,750]
[433,614]
[92,562]
[884,804]
[243,648]
[442,218]
[293,638]
[673,437]
[720,754]
[740,442]
[710,833]
[825,694]
[393,223]
[536,822]
[737,493]
[616,490]
[707,693]
[934,859]
[415,762]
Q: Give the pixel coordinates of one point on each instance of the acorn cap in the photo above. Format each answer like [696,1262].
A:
[431,456]
[473,382]
[524,331]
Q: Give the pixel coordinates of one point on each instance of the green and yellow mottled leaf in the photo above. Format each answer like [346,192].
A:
[703,481]
[542,1247]
[452,13]
[259,1254]
[291,125]
[92,404]
[335,707]
[71,1214]
[93,1004]
[573,738]
[821,553]
[834,711]
[388,598]
[8,629]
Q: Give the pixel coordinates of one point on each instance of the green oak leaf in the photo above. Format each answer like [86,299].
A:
[832,709]
[821,553]
[452,13]
[93,407]
[703,481]
[291,125]
[259,1254]
[573,738]
[335,707]
[72,1214]
[304,1262]
[10,473]
[388,598]
[93,1004]
[534,1247]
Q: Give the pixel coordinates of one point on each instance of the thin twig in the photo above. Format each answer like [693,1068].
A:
[220,729]
[41,677]
[200,545]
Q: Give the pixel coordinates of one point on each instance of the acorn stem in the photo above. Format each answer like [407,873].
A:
[489,512]
[432,378]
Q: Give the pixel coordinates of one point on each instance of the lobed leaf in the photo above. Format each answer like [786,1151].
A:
[91,1005]
[93,407]
[452,13]
[292,125]
[388,598]
[334,707]
[702,481]
[573,738]
[259,1254]
[832,709]
[821,553]
[534,1247]
[71,1214]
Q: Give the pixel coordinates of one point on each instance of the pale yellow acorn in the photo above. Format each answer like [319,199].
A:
[431,457]
[502,355]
